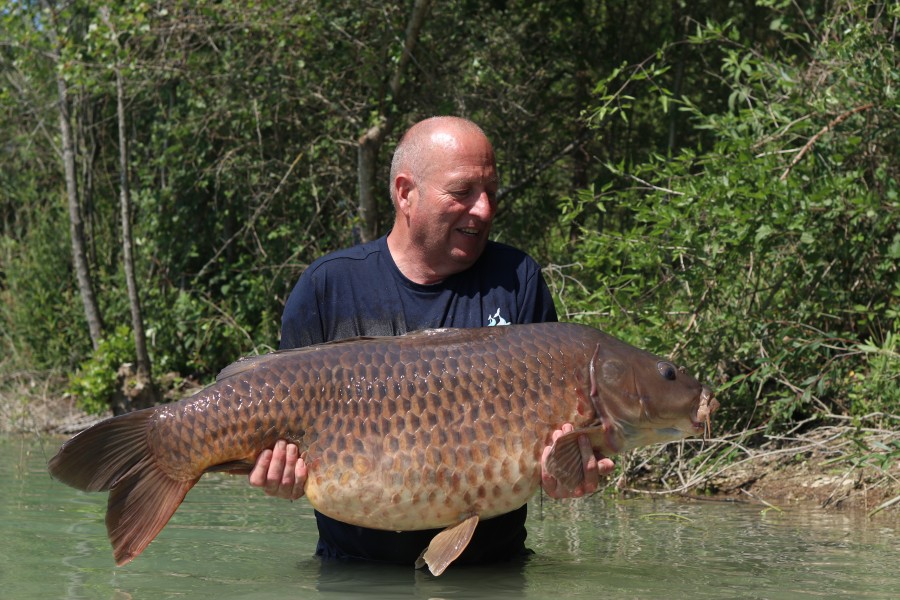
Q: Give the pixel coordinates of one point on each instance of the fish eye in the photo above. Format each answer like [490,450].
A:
[667,370]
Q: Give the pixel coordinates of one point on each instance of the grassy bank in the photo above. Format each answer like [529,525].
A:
[831,461]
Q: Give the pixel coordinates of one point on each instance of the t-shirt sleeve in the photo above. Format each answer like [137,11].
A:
[537,305]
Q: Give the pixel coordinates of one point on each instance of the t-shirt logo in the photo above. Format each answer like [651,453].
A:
[496,319]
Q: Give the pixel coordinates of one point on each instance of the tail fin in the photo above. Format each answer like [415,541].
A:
[113,455]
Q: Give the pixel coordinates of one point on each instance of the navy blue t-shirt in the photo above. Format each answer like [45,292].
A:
[360,291]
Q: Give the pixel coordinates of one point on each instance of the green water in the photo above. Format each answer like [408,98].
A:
[230,541]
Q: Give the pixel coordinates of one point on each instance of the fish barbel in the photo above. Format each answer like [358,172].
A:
[437,428]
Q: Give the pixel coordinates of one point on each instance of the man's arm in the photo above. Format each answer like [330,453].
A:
[282,473]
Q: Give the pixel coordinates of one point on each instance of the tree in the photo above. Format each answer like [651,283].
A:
[76,225]
[142,393]
[640,144]
[373,139]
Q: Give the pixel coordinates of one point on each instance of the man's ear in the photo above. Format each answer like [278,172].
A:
[405,192]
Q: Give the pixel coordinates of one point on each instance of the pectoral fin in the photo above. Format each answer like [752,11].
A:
[446,546]
[565,461]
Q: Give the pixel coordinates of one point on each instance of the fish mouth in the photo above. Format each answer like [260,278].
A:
[705,408]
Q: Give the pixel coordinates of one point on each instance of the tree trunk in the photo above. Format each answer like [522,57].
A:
[370,143]
[76,225]
[134,300]
[367,161]
[143,393]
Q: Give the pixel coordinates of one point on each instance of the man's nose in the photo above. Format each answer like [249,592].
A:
[484,207]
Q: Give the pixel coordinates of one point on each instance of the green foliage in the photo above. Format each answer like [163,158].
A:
[39,297]
[876,387]
[95,382]
[646,151]
[876,454]
[766,254]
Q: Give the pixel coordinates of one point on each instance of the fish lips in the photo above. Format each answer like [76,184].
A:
[708,404]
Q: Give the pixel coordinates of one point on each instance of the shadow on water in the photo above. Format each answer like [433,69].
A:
[340,579]
[230,541]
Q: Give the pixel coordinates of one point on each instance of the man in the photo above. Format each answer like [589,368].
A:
[436,268]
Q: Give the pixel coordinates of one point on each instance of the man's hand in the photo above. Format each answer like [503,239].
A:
[280,472]
[595,466]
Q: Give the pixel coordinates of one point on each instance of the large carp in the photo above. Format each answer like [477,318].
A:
[432,429]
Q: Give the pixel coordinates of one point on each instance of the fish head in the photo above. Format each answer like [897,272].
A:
[644,399]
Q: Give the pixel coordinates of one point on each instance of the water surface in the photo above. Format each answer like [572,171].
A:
[230,541]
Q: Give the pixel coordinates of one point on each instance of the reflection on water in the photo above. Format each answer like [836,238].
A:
[230,541]
[335,579]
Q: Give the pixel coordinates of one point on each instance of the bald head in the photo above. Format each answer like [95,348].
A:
[444,188]
[413,154]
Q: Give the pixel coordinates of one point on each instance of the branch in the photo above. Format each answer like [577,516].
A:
[654,187]
[546,164]
[420,8]
[251,221]
[834,122]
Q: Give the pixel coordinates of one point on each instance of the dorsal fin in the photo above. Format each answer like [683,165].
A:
[247,363]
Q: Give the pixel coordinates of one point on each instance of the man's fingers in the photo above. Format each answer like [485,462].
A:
[260,469]
[589,462]
[300,481]
[276,477]
[605,466]
[595,466]
[293,480]
[280,471]
[288,477]
[548,481]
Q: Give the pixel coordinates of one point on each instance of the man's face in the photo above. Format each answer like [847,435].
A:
[453,202]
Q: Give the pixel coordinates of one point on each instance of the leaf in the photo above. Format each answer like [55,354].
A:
[763,232]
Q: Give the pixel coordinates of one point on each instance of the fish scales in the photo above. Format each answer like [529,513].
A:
[377,457]
[412,432]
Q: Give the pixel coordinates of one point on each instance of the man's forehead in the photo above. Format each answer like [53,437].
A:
[486,174]
[459,157]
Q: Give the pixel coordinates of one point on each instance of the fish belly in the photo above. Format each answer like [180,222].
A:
[433,488]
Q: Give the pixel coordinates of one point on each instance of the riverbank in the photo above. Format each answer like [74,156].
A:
[834,463]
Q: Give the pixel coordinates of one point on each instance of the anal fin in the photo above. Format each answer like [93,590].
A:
[446,546]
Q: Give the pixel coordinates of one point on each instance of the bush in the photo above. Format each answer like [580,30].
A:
[95,382]
[765,257]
